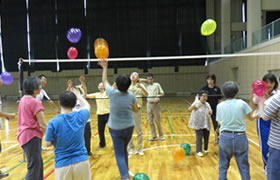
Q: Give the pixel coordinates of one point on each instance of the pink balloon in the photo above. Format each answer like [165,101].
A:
[259,87]
[72,53]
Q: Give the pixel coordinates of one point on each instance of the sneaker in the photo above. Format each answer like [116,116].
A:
[206,151]
[141,153]
[199,154]
[3,174]
[161,138]
[131,151]
[153,139]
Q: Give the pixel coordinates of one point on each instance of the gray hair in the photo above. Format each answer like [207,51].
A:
[230,89]
[30,84]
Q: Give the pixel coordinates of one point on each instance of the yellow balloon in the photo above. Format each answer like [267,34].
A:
[208,27]
[101,48]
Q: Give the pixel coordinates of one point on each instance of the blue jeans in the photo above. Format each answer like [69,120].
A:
[233,145]
[121,139]
[263,128]
[273,168]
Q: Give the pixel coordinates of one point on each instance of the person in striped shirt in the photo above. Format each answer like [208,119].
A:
[257,104]
[272,111]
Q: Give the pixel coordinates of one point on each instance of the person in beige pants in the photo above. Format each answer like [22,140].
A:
[153,107]
[138,90]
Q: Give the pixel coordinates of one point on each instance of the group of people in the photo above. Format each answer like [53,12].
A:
[69,131]
[228,116]
[119,105]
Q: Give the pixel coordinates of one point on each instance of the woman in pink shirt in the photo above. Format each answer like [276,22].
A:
[31,127]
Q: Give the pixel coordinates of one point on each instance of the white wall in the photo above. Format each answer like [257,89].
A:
[249,68]
[270,5]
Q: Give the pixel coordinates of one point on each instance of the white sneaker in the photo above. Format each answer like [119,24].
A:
[161,138]
[141,153]
[205,151]
[131,151]
[200,154]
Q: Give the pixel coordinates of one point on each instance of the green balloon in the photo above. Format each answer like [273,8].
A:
[187,148]
[208,27]
[140,176]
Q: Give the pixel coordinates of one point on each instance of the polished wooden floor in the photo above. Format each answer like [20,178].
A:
[157,163]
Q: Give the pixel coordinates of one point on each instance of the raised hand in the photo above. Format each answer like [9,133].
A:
[69,83]
[82,79]
[103,64]
[76,92]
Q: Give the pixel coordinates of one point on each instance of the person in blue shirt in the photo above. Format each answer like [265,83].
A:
[66,133]
[233,139]
[121,122]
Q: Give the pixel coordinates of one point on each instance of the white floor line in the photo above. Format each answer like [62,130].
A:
[20,155]
[168,135]
[6,142]
[15,145]
[157,147]
[253,142]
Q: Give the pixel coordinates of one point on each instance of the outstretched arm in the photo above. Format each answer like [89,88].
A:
[84,86]
[104,65]
[8,116]
[52,104]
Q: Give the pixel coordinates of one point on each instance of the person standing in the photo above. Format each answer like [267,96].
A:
[31,127]
[153,107]
[271,112]
[8,116]
[65,132]
[103,112]
[214,95]
[257,104]
[82,89]
[43,94]
[122,105]
[199,121]
[138,90]
[233,140]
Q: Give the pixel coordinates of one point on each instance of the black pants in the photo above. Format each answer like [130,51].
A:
[213,117]
[199,134]
[87,135]
[32,151]
[102,121]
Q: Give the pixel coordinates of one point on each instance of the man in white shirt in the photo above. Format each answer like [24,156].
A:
[43,95]
[153,107]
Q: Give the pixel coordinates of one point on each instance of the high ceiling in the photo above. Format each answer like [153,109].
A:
[133,28]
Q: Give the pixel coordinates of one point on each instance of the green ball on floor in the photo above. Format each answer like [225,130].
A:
[140,176]
[187,148]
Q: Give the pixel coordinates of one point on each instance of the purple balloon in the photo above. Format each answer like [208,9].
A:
[7,78]
[74,35]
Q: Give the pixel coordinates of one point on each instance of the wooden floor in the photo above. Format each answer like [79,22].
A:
[157,163]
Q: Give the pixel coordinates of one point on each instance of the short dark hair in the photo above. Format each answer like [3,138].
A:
[150,75]
[230,89]
[272,78]
[203,92]
[30,84]
[123,82]
[42,75]
[212,76]
[67,99]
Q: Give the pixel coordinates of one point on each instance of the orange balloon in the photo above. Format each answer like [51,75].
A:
[179,153]
[101,48]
